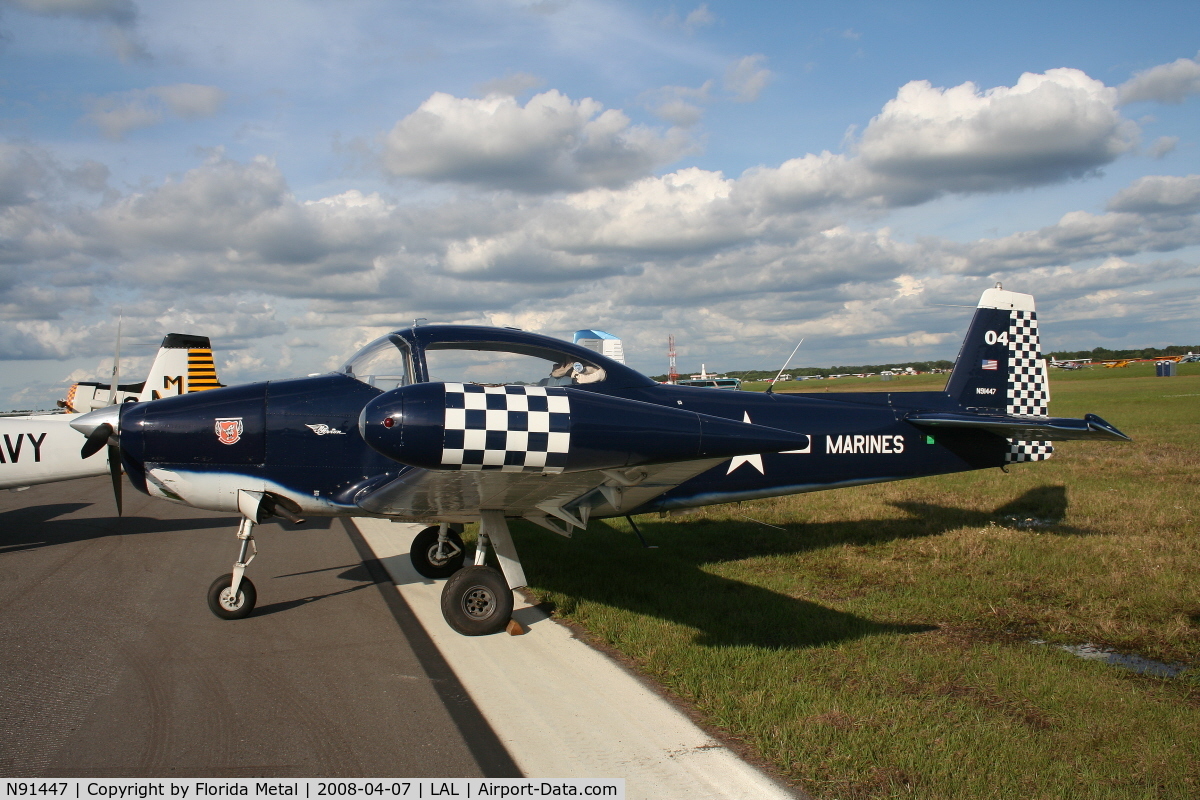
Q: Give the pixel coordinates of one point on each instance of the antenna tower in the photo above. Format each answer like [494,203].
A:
[672,375]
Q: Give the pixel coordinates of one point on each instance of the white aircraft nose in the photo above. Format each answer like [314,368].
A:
[86,423]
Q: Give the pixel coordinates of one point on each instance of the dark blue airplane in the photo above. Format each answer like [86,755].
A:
[450,424]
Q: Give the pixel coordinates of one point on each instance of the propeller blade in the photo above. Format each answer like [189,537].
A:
[96,440]
[114,470]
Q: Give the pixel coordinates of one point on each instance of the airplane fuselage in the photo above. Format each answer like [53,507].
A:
[41,448]
[301,439]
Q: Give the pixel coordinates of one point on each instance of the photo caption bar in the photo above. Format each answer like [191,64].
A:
[199,788]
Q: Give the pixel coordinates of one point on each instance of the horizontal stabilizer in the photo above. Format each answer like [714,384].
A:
[1024,428]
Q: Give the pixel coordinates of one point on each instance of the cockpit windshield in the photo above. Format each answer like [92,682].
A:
[388,363]
[384,364]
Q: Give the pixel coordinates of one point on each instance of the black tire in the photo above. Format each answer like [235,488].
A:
[423,554]
[476,601]
[219,602]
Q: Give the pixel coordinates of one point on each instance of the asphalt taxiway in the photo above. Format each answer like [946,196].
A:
[111,664]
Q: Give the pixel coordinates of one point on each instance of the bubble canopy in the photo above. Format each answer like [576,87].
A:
[484,356]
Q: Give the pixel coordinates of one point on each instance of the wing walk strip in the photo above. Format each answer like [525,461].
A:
[564,710]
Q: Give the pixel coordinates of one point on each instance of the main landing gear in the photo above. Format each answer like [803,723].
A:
[478,600]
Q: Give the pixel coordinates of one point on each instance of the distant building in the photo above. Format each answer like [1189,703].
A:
[603,343]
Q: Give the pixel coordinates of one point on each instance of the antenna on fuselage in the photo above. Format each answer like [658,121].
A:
[785,365]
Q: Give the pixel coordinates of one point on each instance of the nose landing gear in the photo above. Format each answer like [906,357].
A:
[437,552]
[233,596]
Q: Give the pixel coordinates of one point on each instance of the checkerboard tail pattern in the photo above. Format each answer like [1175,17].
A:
[1028,386]
[506,428]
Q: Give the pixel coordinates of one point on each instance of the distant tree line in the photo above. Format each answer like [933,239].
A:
[769,374]
[1104,354]
[1098,354]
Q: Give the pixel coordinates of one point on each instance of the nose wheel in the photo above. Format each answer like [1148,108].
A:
[233,596]
[437,552]
[227,603]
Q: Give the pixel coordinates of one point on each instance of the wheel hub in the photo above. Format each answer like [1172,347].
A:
[478,602]
[229,601]
[433,557]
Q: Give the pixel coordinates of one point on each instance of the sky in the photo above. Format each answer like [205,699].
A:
[293,179]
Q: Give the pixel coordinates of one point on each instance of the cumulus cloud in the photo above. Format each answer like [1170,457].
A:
[734,264]
[29,173]
[1159,194]
[120,12]
[119,17]
[1166,83]
[1045,128]
[679,105]
[746,78]
[1163,146]
[929,141]
[698,17]
[118,114]
[552,143]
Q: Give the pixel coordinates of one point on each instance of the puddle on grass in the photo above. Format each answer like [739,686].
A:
[1138,664]
[1024,523]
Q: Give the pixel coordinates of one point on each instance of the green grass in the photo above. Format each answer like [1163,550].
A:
[876,642]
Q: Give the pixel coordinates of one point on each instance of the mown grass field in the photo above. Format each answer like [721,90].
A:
[876,642]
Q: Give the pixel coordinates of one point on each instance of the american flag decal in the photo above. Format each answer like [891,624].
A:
[991,363]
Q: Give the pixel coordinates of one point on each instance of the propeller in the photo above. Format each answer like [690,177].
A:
[100,426]
[96,439]
[105,434]
[114,471]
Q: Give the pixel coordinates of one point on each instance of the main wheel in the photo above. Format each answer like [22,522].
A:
[476,601]
[424,554]
[222,602]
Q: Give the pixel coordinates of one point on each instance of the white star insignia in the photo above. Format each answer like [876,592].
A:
[754,460]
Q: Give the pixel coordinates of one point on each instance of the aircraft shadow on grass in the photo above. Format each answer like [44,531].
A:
[671,582]
[1042,507]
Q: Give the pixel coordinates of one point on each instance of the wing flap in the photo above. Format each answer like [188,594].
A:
[1091,427]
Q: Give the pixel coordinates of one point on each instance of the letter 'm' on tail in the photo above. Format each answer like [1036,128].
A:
[1000,369]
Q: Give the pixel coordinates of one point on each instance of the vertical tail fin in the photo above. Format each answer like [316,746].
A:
[1000,369]
[184,364]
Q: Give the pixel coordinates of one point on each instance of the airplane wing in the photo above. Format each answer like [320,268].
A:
[1024,428]
[544,499]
